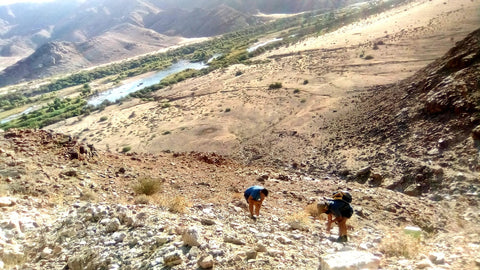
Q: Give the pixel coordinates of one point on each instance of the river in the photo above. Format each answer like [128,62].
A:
[256,46]
[117,93]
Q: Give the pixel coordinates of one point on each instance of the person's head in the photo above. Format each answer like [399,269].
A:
[264,191]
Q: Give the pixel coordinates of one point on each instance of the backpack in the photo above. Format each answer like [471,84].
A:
[342,195]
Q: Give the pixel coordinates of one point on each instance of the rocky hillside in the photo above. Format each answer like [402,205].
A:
[66,205]
[424,130]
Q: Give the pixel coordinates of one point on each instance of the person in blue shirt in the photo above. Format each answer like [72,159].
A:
[339,206]
[254,196]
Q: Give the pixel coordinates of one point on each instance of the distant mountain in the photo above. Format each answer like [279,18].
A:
[100,31]
[49,59]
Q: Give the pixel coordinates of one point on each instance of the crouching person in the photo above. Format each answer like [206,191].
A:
[340,208]
[255,196]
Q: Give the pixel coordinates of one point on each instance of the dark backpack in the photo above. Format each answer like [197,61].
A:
[343,195]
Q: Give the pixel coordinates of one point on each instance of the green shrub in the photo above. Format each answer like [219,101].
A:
[227,110]
[126,149]
[276,85]
[103,118]
[147,186]
[238,73]
[305,82]
[296,91]
[368,57]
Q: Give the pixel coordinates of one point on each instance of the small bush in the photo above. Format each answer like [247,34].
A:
[147,186]
[276,85]
[400,245]
[296,91]
[227,110]
[303,100]
[126,149]
[368,57]
[103,119]
[166,132]
[305,82]
[238,73]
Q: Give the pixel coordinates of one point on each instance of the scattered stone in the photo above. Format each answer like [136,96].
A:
[112,225]
[437,257]
[260,247]
[207,222]
[191,236]
[284,240]
[233,240]
[206,262]
[6,202]
[251,254]
[173,258]
[349,260]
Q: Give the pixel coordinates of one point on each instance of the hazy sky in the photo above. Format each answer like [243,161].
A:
[8,2]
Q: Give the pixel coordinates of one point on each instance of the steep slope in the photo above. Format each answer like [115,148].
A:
[425,127]
[66,205]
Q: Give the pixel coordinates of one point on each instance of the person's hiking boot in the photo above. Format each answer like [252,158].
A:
[342,239]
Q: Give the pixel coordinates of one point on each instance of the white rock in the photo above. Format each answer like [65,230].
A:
[437,257]
[423,264]
[347,260]
[283,239]
[191,236]
[6,202]
[118,236]
[46,253]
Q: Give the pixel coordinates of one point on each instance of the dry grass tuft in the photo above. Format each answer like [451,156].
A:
[142,199]
[299,221]
[178,204]
[147,186]
[88,196]
[312,210]
[400,245]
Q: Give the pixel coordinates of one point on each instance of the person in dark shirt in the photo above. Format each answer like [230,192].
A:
[254,196]
[340,208]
